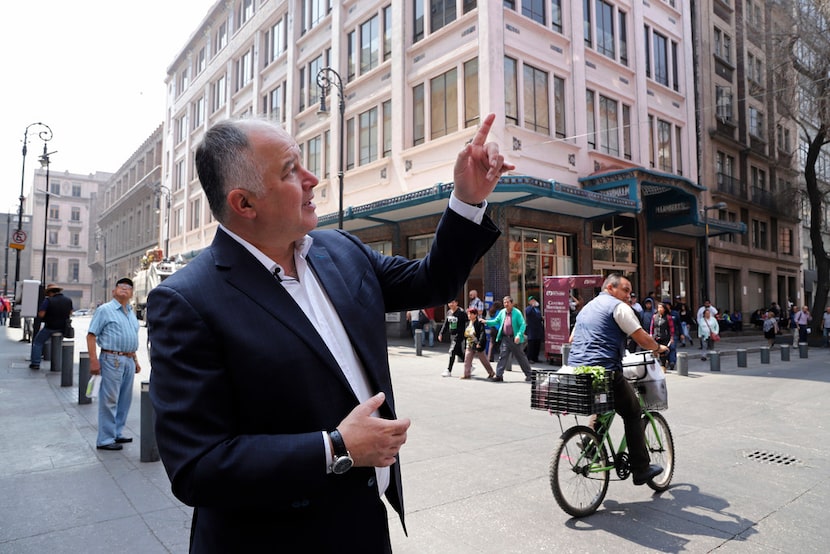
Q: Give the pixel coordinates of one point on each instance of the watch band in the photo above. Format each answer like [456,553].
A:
[338,444]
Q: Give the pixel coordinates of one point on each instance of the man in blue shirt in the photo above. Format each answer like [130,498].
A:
[598,339]
[114,328]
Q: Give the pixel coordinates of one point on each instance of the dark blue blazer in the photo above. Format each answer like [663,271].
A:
[242,385]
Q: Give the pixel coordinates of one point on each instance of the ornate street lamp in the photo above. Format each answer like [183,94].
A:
[326,78]
[160,191]
[45,135]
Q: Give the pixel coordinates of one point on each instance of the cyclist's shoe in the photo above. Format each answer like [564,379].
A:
[647,474]
[588,447]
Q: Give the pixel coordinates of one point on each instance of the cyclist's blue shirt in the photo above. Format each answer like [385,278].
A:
[597,338]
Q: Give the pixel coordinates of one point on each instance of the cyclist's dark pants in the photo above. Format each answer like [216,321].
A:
[628,407]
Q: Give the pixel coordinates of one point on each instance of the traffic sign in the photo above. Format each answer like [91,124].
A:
[18,240]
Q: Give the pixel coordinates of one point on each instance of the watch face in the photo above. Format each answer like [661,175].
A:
[341,465]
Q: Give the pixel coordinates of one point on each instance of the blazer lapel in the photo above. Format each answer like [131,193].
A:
[246,274]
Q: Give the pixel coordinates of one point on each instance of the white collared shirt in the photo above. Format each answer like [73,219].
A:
[317,307]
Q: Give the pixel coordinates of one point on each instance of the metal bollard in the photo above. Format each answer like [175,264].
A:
[149,448]
[55,353]
[419,338]
[741,357]
[765,354]
[683,363]
[785,352]
[802,349]
[566,351]
[67,362]
[714,360]
[83,377]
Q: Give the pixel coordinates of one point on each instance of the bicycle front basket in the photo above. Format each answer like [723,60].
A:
[566,392]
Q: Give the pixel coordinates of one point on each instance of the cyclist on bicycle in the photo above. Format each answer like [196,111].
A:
[598,338]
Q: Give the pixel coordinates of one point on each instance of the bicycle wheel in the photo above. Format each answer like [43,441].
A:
[660,444]
[578,490]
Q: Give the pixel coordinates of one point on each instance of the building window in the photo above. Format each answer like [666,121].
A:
[53,237]
[74,271]
[387,129]
[723,100]
[609,139]
[418,115]
[626,130]
[51,269]
[605,28]
[198,112]
[559,106]
[443,94]
[590,119]
[313,11]
[245,12]
[756,122]
[587,27]
[350,143]
[534,254]
[54,213]
[661,59]
[180,124]
[276,41]
[536,100]
[381,247]
[179,177]
[76,188]
[244,69]
[368,136]
[442,12]
[200,60]
[75,214]
[671,272]
[556,15]
[219,93]
[418,20]
[535,10]
[613,240]
[195,214]
[723,45]
[275,102]
[418,247]
[178,222]
[664,146]
[314,68]
[759,234]
[369,45]
[511,91]
[471,109]
[220,38]
[387,33]
[75,239]
[785,240]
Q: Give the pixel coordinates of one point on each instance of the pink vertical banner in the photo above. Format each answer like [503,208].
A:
[557,312]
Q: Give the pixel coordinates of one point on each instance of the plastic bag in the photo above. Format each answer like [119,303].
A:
[93,386]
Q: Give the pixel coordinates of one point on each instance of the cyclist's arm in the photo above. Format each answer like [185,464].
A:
[629,324]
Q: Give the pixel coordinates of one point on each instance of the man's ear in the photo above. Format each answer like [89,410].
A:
[241,202]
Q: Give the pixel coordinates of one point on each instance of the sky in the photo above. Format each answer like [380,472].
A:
[93,71]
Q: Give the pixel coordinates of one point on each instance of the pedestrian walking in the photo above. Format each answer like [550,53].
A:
[54,311]
[455,322]
[511,332]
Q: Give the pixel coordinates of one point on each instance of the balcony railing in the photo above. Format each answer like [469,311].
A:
[763,197]
[728,184]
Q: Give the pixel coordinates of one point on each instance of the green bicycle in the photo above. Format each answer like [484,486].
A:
[583,459]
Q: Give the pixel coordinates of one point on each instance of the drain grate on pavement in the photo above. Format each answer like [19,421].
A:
[766,457]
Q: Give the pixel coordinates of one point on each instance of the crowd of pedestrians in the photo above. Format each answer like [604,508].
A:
[479,333]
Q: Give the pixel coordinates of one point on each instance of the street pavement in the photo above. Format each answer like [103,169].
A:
[751,470]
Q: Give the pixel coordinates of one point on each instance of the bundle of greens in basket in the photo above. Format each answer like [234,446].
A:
[597,374]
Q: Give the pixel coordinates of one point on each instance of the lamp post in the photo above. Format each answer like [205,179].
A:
[327,77]
[718,206]
[44,163]
[161,190]
[102,237]
[45,135]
